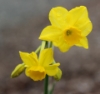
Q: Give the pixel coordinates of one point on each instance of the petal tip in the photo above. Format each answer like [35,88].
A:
[20,52]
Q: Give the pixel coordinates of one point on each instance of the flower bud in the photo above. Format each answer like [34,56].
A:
[18,70]
[58,75]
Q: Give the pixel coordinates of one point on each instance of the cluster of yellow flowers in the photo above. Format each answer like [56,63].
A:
[67,29]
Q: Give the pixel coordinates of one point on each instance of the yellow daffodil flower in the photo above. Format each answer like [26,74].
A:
[36,68]
[68,28]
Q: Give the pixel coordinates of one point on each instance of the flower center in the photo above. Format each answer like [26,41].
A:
[36,73]
[72,36]
[68,32]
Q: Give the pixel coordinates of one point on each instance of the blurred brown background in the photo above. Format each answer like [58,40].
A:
[21,22]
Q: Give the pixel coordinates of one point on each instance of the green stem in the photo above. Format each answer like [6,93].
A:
[38,49]
[52,89]
[43,45]
[46,78]
[47,45]
[51,44]
[46,85]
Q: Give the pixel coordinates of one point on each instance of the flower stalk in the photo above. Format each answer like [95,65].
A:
[46,84]
[38,49]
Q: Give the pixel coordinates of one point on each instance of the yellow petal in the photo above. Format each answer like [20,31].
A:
[75,14]
[55,35]
[64,47]
[57,17]
[85,26]
[83,42]
[29,59]
[61,44]
[46,57]
[78,17]
[50,33]
[51,70]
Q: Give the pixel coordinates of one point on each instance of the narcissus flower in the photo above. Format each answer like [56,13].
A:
[36,68]
[68,28]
